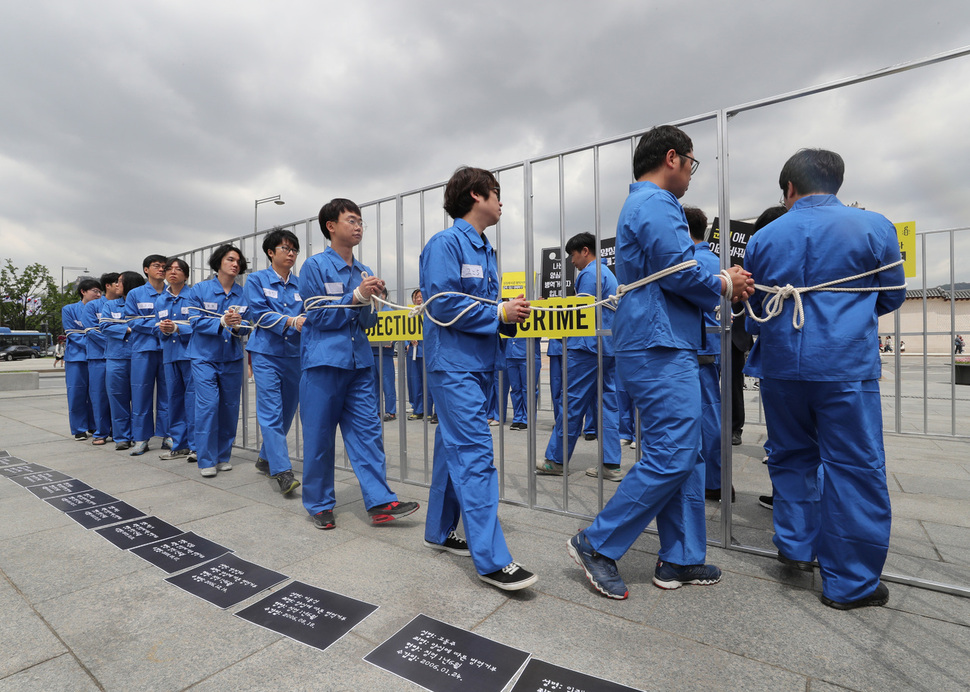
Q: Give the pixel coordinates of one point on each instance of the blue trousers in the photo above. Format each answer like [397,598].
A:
[518,377]
[555,385]
[98,394]
[385,377]
[464,482]
[218,387]
[497,397]
[667,482]
[710,375]
[277,394]
[628,417]
[118,384]
[78,404]
[148,393]
[181,404]
[581,395]
[331,397]
[415,374]
[843,519]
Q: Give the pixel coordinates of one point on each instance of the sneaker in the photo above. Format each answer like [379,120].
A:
[879,597]
[589,437]
[600,570]
[609,474]
[633,444]
[416,416]
[715,494]
[262,466]
[174,454]
[519,426]
[389,416]
[433,420]
[548,468]
[209,471]
[287,482]
[391,511]
[139,449]
[121,446]
[767,501]
[796,564]
[223,466]
[671,576]
[192,458]
[454,544]
[736,439]
[167,443]
[493,423]
[80,436]
[324,520]
[624,442]
[512,577]
[765,460]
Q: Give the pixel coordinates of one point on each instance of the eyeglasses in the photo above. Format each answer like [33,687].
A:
[694,163]
[356,222]
[287,250]
[498,192]
[156,265]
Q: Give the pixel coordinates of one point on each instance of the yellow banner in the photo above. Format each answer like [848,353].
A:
[560,323]
[906,232]
[513,284]
[395,325]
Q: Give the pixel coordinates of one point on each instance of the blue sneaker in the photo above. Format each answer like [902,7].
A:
[671,576]
[600,570]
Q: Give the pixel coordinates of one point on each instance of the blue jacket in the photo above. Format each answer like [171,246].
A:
[171,307]
[821,240]
[335,337]
[586,286]
[651,235]
[712,263]
[117,345]
[459,259]
[211,342]
[74,350]
[93,339]
[266,292]
[141,301]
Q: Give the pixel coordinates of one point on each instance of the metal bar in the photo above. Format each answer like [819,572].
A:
[402,360]
[531,375]
[724,217]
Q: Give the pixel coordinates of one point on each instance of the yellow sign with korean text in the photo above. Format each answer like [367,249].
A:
[559,323]
[906,232]
[513,284]
[396,325]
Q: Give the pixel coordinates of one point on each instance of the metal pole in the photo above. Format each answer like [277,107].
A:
[724,215]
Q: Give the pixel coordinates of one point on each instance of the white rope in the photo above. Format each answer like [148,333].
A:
[209,314]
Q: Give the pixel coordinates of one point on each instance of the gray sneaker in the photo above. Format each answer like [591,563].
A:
[224,466]
[615,475]
[139,449]
[174,454]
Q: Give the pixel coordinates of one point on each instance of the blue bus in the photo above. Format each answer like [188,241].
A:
[39,341]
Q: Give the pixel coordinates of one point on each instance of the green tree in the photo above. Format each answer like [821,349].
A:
[29,298]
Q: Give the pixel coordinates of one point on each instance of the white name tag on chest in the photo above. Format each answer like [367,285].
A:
[472,271]
[297,298]
[116,315]
[163,313]
[211,306]
[185,311]
[145,306]
[270,293]
[334,288]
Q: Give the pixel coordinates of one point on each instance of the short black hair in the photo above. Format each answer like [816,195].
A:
[414,293]
[215,262]
[768,215]
[277,236]
[332,210]
[579,241]
[130,281]
[86,284]
[183,265]
[150,260]
[463,182]
[654,145]
[813,171]
[108,278]
[696,222]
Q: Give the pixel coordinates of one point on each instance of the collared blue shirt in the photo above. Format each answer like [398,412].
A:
[117,345]
[93,338]
[335,337]
[586,286]
[266,292]
[74,350]
[816,241]
[211,342]
[169,306]
[712,263]
[651,235]
[462,260]
[141,301]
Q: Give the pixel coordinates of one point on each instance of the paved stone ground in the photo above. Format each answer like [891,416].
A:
[79,614]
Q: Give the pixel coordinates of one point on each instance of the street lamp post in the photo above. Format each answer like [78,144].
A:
[275,199]
[83,269]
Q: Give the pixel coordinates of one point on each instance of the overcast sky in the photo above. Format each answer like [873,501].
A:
[132,127]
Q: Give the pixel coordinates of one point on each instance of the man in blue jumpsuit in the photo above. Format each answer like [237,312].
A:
[820,383]
[415,371]
[147,368]
[117,355]
[384,373]
[79,411]
[658,329]
[582,364]
[708,364]
[275,304]
[174,333]
[94,345]
[337,387]
[517,371]
[461,360]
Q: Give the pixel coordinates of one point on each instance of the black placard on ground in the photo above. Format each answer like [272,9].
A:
[82,500]
[540,676]
[226,581]
[443,658]
[20,469]
[11,461]
[307,614]
[105,515]
[58,488]
[3,453]
[139,532]
[180,552]
[42,478]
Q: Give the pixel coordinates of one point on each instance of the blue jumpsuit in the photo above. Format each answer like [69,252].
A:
[276,361]
[415,359]
[97,387]
[582,365]
[710,374]
[147,369]
[217,371]
[657,331]
[178,366]
[554,353]
[117,355]
[516,368]
[461,360]
[337,387]
[820,387]
[76,370]
[384,375]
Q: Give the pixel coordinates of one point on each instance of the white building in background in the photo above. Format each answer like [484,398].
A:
[940,312]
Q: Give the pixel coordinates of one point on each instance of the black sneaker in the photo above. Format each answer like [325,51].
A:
[262,466]
[433,420]
[796,564]
[391,511]
[416,416]
[715,494]
[512,577]
[735,439]
[879,597]
[81,436]
[671,576]
[454,544]
[389,416]
[589,437]
[324,520]
[767,501]
[287,482]
[192,458]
